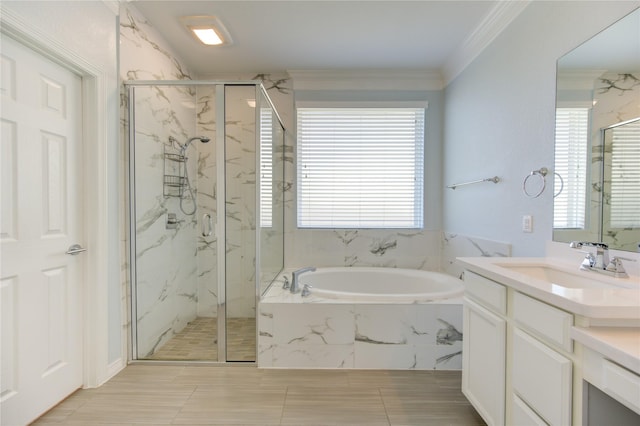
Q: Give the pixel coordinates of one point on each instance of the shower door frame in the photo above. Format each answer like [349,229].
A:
[221,222]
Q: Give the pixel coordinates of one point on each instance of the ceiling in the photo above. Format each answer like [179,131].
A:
[270,36]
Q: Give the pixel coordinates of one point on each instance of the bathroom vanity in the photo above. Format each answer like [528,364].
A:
[547,344]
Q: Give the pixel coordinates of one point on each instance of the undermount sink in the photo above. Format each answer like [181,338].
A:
[562,278]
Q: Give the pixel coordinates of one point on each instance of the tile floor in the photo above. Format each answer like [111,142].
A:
[198,341]
[243,394]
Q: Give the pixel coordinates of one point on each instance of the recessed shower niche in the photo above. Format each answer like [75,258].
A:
[206,216]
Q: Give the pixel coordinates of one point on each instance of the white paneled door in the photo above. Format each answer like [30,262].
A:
[41,218]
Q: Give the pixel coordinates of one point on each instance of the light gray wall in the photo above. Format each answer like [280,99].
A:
[499,120]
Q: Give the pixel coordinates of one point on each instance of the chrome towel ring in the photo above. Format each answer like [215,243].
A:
[541,173]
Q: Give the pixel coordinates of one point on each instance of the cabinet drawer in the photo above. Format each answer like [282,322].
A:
[550,324]
[614,380]
[522,415]
[621,384]
[542,378]
[489,293]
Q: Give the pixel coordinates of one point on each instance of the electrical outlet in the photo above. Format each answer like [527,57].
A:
[527,223]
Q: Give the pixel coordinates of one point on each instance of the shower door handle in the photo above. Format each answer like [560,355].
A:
[207,225]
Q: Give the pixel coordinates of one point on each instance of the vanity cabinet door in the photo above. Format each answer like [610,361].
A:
[483,362]
[541,377]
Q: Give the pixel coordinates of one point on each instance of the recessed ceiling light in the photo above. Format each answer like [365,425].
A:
[207,35]
[207,29]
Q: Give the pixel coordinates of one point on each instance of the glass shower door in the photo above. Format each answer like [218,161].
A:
[206,214]
[241,210]
[173,212]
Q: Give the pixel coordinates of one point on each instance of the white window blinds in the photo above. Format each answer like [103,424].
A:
[360,167]
[572,141]
[266,167]
[625,176]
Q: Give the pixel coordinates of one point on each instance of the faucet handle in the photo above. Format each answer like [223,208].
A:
[306,290]
[588,261]
[286,284]
[616,266]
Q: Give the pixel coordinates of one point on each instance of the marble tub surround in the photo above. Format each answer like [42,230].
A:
[312,332]
[411,249]
[457,245]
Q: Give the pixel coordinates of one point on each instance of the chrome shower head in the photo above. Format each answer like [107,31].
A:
[202,139]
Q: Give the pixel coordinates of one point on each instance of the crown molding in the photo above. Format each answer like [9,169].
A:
[498,18]
[366,79]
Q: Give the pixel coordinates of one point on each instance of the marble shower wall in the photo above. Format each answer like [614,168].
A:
[207,257]
[166,268]
[240,171]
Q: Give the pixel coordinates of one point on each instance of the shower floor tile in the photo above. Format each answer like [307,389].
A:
[198,341]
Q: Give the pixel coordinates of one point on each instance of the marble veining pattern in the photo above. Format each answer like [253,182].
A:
[615,101]
[166,292]
[323,333]
[454,245]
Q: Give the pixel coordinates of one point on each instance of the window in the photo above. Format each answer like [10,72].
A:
[572,141]
[625,176]
[360,167]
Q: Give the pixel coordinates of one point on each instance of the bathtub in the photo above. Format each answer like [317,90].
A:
[381,284]
[351,319]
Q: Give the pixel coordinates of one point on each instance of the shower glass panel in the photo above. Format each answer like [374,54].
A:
[240,193]
[168,199]
[271,181]
[194,255]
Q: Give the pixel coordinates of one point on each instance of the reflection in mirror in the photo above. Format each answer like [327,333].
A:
[598,89]
[621,190]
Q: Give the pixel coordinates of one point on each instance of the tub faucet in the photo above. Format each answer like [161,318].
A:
[295,285]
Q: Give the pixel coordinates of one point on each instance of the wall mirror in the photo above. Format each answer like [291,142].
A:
[597,147]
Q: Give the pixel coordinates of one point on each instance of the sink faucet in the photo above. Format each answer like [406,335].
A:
[601,260]
[295,284]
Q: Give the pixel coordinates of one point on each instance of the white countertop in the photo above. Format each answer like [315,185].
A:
[619,344]
[619,300]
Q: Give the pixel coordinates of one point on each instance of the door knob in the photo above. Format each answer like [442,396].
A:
[75,249]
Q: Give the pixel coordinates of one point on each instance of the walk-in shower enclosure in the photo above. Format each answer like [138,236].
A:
[206,221]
